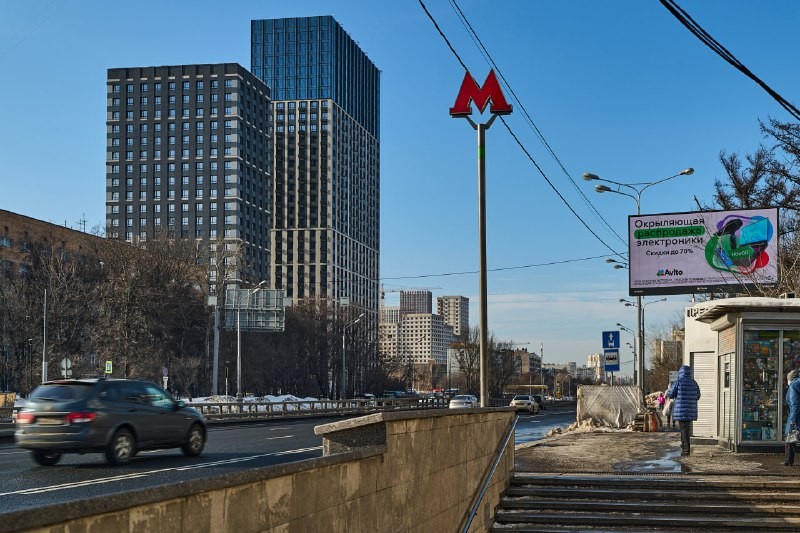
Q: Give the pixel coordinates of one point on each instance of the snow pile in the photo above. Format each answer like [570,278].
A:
[593,426]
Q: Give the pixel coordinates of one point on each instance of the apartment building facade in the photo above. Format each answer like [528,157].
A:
[189,156]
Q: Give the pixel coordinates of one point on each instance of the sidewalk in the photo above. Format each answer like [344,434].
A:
[622,451]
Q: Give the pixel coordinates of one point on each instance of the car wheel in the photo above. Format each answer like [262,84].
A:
[532,410]
[121,448]
[195,441]
[46,458]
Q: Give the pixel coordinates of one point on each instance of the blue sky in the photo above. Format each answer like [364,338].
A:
[617,88]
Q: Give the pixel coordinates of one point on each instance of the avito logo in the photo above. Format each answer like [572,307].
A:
[668,272]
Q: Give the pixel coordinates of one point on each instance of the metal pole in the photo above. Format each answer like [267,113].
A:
[541,366]
[484,374]
[344,377]
[215,376]
[44,341]
[640,309]
[238,347]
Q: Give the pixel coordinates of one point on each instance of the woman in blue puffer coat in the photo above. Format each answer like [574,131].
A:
[685,391]
[792,413]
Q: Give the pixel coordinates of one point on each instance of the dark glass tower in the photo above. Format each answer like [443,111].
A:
[326,135]
[313,58]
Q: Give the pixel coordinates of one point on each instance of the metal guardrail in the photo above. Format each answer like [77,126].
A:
[221,411]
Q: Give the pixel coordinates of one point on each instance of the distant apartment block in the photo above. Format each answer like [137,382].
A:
[597,362]
[416,302]
[455,311]
[424,337]
[189,156]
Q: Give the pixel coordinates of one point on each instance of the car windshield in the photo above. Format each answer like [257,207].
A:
[521,398]
[463,398]
[62,391]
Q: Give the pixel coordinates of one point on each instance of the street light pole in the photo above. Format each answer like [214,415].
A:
[635,367]
[541,367]
[344,348]
[640,334]
[250,292]
[600,188]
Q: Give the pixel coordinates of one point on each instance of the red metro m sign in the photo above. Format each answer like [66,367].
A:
[470,92]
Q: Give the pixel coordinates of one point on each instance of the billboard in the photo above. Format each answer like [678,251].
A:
[686,253]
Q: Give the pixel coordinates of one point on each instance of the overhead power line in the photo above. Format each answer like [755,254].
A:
[698,31]
[530,157]
[499,269]
[488,57]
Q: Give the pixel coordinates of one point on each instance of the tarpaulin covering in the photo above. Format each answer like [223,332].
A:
[615,407]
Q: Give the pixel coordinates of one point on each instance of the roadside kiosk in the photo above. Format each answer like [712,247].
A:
[740,350]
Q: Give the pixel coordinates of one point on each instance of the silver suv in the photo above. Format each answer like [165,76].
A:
[115,416]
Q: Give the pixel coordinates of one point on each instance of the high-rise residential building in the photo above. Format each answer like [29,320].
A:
[326,128]
[455,310]
[416,302]
[189,156]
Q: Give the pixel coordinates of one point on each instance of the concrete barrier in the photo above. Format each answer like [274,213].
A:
[400,471]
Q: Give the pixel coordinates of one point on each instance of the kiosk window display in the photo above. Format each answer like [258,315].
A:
[760,385]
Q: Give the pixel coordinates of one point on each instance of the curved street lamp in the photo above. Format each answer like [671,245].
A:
[638,189]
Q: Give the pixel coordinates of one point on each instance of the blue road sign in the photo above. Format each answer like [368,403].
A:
[612,360]
[610,340]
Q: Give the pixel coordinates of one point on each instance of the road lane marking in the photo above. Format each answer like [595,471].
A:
[111,479]
[281,437]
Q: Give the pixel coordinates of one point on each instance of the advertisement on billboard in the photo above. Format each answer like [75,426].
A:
[687,253]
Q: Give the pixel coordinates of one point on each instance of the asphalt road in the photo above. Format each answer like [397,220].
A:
[535,427]
[25,485]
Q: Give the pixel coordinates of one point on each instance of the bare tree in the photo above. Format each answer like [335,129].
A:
[468,358]
[770,177]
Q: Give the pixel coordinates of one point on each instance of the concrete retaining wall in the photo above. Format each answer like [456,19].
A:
[407,471]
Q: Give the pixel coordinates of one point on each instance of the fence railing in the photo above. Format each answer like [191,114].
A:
[220,411]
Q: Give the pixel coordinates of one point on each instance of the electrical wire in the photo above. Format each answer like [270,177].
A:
[698,31]
[500,269]
[488,57]
[530,157]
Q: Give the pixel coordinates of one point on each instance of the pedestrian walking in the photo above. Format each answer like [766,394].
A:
[661,400]
[686,392]
[792,417]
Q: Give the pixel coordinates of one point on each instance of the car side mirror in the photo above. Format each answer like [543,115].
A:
[180,404]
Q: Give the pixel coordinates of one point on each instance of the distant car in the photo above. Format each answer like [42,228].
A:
[463,400]
[117,416]
[525,402]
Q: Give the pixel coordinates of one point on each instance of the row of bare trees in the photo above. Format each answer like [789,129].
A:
[145,308]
